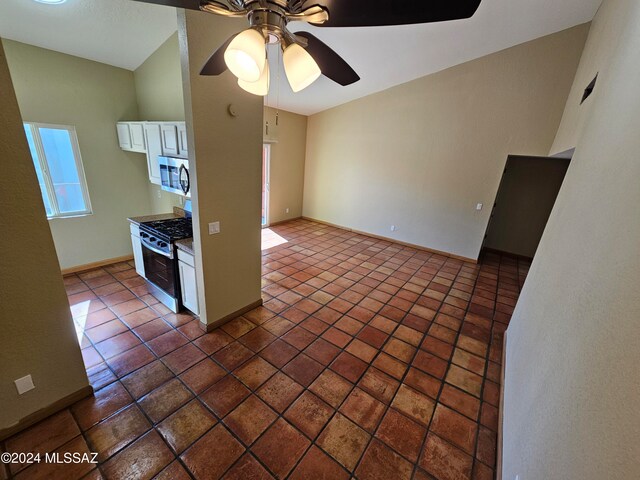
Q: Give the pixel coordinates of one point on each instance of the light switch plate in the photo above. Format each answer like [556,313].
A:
[24,384]
[214,228]
[479,206]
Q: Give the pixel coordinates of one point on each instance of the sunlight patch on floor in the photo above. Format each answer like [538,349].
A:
[80,312]
[271,239]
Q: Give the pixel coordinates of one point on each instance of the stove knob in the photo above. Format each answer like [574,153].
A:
[153,239]
[162,244]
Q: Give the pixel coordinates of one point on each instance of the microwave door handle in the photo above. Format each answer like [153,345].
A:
[186,185]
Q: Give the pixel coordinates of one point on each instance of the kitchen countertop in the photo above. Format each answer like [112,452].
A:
[153,218]
[177,213]
[186,245]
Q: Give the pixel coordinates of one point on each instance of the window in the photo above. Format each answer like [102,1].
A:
[56,156]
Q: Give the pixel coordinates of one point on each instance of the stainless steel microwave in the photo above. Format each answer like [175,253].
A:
[174,175]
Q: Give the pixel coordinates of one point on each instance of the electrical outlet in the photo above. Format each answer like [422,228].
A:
[159,193]
[214,228]
[394,228]
[479,206]
[24,384]
[286,210]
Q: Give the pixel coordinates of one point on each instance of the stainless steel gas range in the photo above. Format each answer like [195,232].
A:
[160,258]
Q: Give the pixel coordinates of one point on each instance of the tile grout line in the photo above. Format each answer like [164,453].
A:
[327,367]
[443,382]
[398,324]
[341,244]
[486,368]
[401,381]
[135,401]
[306,389]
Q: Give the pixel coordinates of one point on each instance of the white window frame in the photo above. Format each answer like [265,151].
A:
[44,166]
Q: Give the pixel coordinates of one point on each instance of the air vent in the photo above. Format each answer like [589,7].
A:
[589,90]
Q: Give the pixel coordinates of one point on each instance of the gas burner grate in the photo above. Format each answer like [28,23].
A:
[170,230]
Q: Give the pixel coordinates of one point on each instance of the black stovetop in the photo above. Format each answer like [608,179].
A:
[170,230]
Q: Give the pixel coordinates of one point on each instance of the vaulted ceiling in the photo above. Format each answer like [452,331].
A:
[124,33]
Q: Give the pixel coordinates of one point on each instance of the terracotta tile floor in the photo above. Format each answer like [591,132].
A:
[368,360]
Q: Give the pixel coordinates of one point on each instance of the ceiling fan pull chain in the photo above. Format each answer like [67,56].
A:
[266,120]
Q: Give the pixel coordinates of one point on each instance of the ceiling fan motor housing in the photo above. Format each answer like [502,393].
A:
[271,23]
[271,19]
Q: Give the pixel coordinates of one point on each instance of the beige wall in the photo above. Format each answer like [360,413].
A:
[421,155]
[35,315]
[528,190]
[571,385]
[61,89]
[288,145]
[604,39]
[159,84]
[159,93]
[226,167]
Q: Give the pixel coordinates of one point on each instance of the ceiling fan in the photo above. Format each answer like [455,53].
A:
[305,57]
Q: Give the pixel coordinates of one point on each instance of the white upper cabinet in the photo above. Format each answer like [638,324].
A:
[170,139]
[156,139]
[124,135]
[131,136]
[138,143]
[183,150]
[153,136]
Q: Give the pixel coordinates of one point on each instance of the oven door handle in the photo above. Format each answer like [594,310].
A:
[168,255]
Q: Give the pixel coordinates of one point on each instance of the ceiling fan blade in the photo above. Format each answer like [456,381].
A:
[376,13]
[216,64]
[331,64]
[188,4]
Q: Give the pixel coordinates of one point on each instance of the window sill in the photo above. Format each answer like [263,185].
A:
[62,217]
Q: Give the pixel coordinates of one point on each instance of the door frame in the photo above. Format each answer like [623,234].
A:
[511,158]
[266,169]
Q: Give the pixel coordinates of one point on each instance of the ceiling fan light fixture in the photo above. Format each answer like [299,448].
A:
[246,55]
[300,67]
[261,87]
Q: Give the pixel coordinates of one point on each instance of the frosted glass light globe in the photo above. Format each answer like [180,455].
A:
[246,55]
[300,67]
[261,87]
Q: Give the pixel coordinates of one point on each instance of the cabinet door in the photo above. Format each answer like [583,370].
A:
[137,255]
[188,287]
[153,137]
[124,135]
[183,150]
[138,143]
[169,140]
